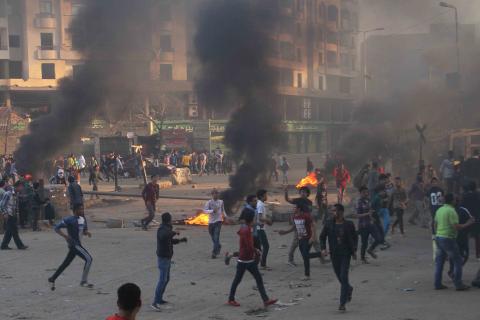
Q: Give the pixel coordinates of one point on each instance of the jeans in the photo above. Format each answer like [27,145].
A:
[11,231]
[385,215]
[263,244]
[164,268]
[73,251]
[253,269]
[214,231]
[399,213]
[304,247]
[365,232]
[341,266]
[151,214]
[448,248]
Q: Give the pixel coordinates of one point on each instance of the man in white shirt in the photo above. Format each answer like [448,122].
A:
[261,219]
[216,214]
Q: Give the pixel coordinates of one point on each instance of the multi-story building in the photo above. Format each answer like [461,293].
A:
[313,54]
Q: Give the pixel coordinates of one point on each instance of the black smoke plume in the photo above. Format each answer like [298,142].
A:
[232,46]
[114,38]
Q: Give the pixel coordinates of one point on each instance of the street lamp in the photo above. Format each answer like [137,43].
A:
[450,6]
[364,56]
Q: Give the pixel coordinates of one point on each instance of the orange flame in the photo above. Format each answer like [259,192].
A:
[199,219]
[310,180]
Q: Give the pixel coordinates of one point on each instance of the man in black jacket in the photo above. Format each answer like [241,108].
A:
[165,242]
[342,243]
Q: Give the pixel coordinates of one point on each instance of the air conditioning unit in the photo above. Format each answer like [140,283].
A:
[193,111]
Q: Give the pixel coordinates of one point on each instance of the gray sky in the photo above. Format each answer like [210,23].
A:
[413,16]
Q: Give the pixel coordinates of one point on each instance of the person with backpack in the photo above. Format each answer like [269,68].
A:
[9,210]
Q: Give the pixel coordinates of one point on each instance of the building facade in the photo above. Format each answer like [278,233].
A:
[313,54]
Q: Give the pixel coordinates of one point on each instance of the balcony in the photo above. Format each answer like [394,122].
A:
[67,53]
[47,53]
[165,26]
[166,56]
[43,21]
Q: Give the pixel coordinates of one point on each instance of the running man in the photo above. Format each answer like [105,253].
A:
[150,194]
[216,214]
[365,225]
[247,260]
[342,177]
[342,244]
[76,226]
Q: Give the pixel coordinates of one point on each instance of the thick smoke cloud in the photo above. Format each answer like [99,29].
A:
[114,38]
[232,46]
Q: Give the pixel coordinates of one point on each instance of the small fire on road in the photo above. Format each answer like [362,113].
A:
[310,180]
[200,219]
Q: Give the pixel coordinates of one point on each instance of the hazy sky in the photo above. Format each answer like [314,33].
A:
[411,16]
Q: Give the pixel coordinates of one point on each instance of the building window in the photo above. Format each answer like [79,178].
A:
[332,13]
[299,80]
[15,69]
[332,37]
[76,69]
[345,85]
[166,72]
[48,70]
[321,83]
[46,7]
[14,41]
[46,41]
[287,51]
[320,58]
[76,8]
[299,55]
[166,43]
[307,109]
[298,28]
[286,77]
[332,58]
[321,10]
[165,12]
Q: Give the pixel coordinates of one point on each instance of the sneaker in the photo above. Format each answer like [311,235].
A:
[476,284]
[372,254]
[23,248]
[163,302]
[228,257]
[306,278]
[233,303]
[51,284]
[292,263]
[342,308]
[85,284]
[155,307]
[265,268]
[365,261]
[350,294]
[5,248]
[214,256]
[270,302]
[462,288]
[442,287]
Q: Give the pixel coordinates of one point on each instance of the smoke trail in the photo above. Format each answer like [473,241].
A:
[114,38]
[232,45]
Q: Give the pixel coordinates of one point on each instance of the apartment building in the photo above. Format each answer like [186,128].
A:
[313,55]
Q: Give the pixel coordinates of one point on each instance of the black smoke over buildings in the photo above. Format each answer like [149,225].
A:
[114,38]
[232,45]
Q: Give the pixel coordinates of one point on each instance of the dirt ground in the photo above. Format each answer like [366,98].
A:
[399,285]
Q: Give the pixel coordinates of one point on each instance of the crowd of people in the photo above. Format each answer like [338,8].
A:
[438,204]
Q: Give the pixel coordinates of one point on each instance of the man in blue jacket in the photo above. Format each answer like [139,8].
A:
[76,226]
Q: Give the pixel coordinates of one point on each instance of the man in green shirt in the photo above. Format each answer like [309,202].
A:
[447,226]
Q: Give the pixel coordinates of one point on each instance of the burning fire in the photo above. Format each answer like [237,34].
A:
[200,219]
[310,180]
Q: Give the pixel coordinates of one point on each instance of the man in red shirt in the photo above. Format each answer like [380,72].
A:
[247,258]
[342,178]
[129,302]
[304,225]
[150,194]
